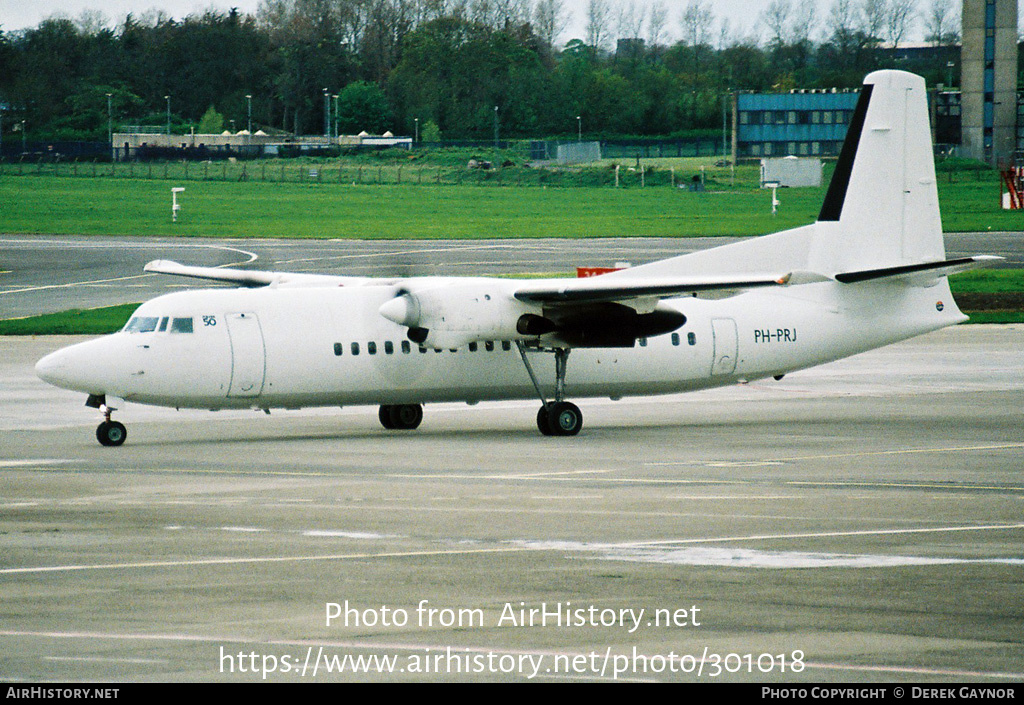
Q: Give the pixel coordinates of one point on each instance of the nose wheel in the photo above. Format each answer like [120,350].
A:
[110,433]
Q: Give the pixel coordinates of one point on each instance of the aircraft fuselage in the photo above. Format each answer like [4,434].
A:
[291,348]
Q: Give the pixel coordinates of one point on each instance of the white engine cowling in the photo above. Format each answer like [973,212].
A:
[452,314]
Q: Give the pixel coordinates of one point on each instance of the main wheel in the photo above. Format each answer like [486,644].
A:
[565,418]
[384,414]
[111,433]
[407,416]
[544,421]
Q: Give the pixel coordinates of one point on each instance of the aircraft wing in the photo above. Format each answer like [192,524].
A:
[606,288]
[249,278]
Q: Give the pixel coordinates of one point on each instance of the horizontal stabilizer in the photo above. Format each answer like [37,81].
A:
[935,269]
[249,278]
[234,276]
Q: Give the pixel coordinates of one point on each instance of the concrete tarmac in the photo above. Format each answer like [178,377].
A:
[858,522]
[50,273]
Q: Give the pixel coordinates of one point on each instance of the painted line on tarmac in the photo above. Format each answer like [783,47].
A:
[252,257]
[825,534]
[251,561]
[906,451]
[916,670]
[832,456]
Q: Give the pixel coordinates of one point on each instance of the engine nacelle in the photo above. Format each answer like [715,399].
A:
[453,314]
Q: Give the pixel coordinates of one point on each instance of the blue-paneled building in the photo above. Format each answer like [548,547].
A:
[802,123]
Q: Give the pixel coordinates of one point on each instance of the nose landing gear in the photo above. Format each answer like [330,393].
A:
[110,433]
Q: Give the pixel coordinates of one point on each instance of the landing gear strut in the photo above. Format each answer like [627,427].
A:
[558,417]
[110,433]
[403,417]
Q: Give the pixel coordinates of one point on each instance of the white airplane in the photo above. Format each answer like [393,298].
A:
[871,271]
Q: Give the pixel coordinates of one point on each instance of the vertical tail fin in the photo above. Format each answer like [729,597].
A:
[882,206]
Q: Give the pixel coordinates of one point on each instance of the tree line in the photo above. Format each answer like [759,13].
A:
[443,69]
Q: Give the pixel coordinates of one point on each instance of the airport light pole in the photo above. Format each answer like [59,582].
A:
[579,128]
[495,125]
[168,99]
[327,113]
[110,124]
[248,100]
[417,121]
[334,124]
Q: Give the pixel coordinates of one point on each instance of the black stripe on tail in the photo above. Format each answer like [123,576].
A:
[832,208]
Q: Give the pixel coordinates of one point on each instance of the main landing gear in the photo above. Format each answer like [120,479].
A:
[558,417]
[110,433]
[404,417]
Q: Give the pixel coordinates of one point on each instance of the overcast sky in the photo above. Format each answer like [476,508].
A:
[19,14]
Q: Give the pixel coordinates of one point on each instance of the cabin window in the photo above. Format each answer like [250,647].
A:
[181,325]
[489,345]
[338,348]
[371,348]
[355,348]
[506,345]
[675,339]
[643,342]
[389,347]
[472,347]
[406,347]
[142,324]
[691,338]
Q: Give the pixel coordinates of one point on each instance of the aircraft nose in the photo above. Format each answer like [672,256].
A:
[83,367]
[50,368]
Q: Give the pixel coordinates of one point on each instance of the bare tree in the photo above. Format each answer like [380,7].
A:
[631,20]
[725,38]
[696,22]
[656,21]
[510,13]
[550,19]
[842,19]
[776,17]
[874,16]
[598,23]
[940,23]
[899,18]
[92,22]
[804,21]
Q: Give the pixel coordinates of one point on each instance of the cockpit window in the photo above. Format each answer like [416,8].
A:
[142,324]
[148,324]
[181,325]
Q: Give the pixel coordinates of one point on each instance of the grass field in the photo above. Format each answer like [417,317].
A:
[47,204]
[54,205]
